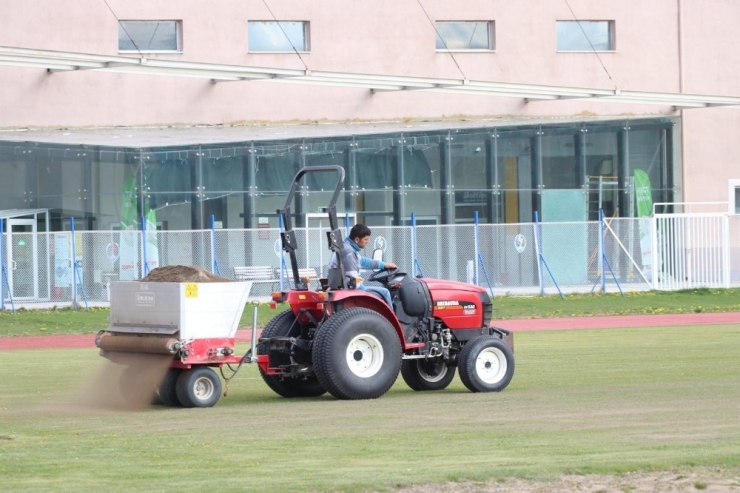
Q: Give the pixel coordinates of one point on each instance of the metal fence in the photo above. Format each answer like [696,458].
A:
[75,268]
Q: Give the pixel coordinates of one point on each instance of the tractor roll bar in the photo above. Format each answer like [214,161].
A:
[288,238]
[316,169]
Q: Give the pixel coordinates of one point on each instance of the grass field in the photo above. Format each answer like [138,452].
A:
[68,321]
[599,401]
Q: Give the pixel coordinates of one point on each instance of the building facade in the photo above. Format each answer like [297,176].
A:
[107,148]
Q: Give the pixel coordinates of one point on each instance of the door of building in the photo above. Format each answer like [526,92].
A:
[23,267]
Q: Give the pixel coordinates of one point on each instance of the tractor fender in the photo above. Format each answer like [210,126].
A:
[354,298]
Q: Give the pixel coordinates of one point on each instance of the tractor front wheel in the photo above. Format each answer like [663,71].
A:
[198,387]
[427,374]
[486,364]
[357,354]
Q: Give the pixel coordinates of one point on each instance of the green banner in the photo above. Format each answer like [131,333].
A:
[644,202]
[643,194]
[128,267]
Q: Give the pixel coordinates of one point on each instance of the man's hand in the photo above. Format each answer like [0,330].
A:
[390,265]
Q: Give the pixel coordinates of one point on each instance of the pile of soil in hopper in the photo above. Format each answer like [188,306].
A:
[183,273]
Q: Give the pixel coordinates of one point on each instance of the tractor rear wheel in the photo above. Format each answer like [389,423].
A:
[427,374]
[357,354]
[486,364]
[198,387]
[286,386]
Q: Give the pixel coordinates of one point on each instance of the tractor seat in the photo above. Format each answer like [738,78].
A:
[334,279]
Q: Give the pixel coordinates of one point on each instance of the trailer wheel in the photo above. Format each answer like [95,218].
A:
[167,388]
[198,387]
[486,364]
[427,374]
[357,354]
[287,386]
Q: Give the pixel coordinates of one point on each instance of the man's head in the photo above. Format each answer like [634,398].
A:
[360,234]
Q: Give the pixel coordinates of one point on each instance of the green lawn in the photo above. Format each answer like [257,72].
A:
[598,401]
[68,321]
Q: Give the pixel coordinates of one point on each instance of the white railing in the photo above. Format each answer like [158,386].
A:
[684,251]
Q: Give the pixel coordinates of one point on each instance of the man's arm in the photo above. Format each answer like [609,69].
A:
[368,263]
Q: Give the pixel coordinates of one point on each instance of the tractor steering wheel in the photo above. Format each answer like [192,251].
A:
[383,275]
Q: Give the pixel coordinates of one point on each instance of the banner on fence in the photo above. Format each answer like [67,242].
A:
[644,199]
[62,261]
[129,249]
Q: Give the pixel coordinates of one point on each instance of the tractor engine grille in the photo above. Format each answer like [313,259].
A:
[486,308]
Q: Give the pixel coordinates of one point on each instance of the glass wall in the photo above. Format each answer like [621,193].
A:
[504,173]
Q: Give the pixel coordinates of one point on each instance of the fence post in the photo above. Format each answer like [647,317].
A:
[214,261]
[4,280]
[413,244]
[145,264]
[654,254]
[74,263]
[726,250]
[2,266]
[601,251]
[476,253]
[479,264]
[540,278]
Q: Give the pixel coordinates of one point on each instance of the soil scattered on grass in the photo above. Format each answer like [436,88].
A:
[183,273]
[709,479]
[129,384]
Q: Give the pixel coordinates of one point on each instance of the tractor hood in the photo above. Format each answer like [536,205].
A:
[440,286]
[460,305]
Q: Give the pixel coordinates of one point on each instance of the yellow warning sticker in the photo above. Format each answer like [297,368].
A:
[191,290]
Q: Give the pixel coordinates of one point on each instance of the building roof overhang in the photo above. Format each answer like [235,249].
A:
[13,213]
[64,61]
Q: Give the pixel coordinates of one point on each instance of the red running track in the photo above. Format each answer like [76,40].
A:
[88,340]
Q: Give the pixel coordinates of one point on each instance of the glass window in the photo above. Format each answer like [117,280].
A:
[601,161]
[516,177]
[18,174]
[282,36]
[422,166]
[149,36]
[559,167]
[466,35]
[470,177]
[585,36]
[646,150]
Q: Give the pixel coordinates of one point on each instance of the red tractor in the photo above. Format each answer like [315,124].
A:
[352,344]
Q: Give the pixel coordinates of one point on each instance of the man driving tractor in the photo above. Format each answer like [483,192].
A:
[359,237]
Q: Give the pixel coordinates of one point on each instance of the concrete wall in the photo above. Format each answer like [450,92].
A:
[384,36]
[711,65]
